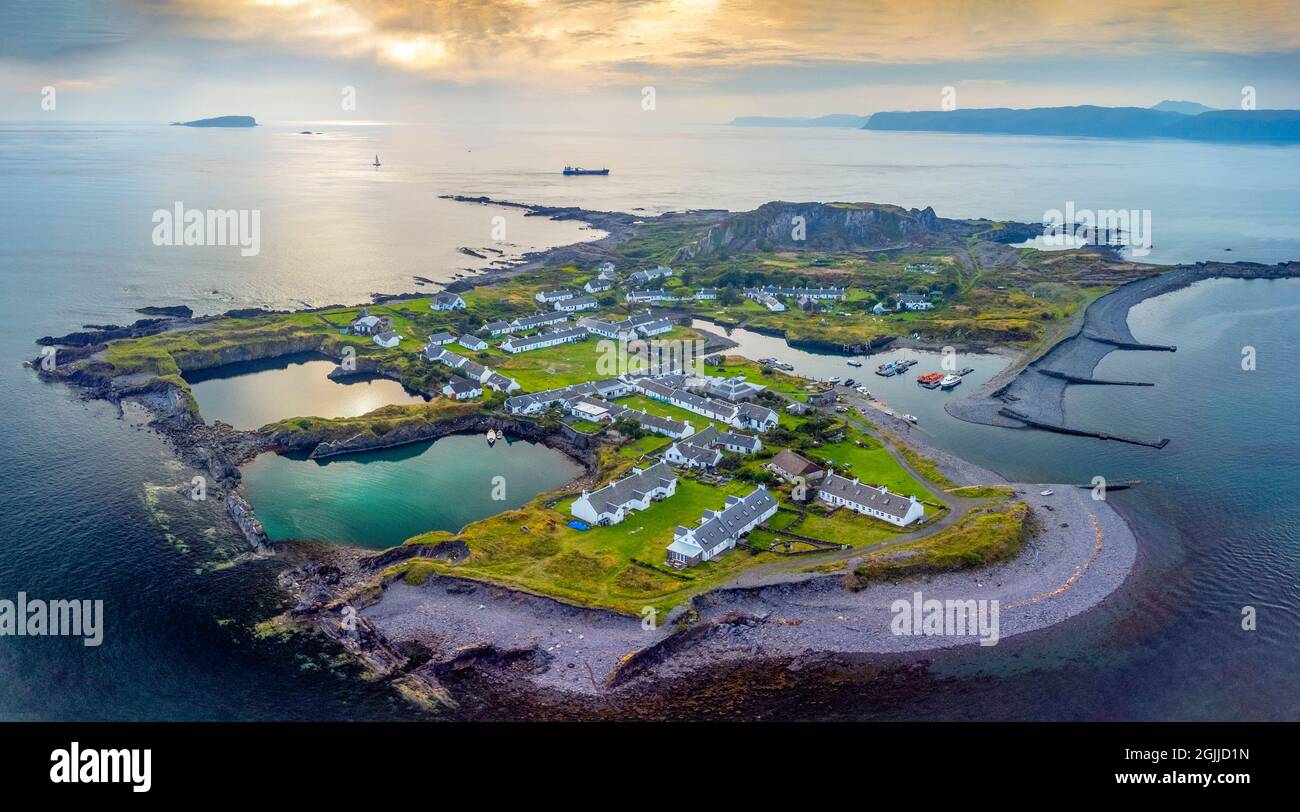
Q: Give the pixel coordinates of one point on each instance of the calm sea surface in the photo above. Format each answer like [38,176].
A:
[93,511]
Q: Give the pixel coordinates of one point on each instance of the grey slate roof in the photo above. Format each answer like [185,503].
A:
[710,436]
[445,356]
[633,487]
[538,320]
[642,318]
[472,369]
[753,411]
[659,326]
[736,388]
[647,419]
[700,454]
[463,386]
[499,382]
[527,342]
[725,525]
[792,464]
[861,494]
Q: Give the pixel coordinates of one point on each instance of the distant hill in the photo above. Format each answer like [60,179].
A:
[837,227]
[1187,108]
[1101,122]
[1089,120]
[219,121]
[1239,125]
[832,120]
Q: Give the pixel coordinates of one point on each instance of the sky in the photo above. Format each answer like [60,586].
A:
[565,61]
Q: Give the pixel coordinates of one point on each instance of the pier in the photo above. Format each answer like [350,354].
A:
[1130,345]
[1037,424]
[1065,376]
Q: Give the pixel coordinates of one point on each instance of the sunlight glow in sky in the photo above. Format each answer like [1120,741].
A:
[719,57]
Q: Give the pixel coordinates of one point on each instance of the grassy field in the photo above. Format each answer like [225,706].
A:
[865,458]
[379,422]
[844,527]
[925,466]
[983,537]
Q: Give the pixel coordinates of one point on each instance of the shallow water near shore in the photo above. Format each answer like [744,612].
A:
[379,499]
[251,394]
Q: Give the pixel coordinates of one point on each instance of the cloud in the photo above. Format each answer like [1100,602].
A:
[589,41]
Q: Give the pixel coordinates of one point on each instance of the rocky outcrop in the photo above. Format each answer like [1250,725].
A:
[833,227]
[99,334]
[580,446]
[172,311]
[453,550]
[242,514]
[194,360]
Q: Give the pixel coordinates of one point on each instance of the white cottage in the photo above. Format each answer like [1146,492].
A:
[610,504]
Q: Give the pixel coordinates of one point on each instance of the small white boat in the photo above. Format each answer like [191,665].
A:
[492,436]
[855,363]
[911,418]
[1045,493]
[949,381]
[836,379]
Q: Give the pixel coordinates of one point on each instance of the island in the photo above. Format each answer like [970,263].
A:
[219,121]
[727,510]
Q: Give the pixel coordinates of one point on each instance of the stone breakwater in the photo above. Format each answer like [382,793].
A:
[1035,397]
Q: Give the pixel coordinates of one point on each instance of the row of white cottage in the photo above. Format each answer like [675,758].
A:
[590,401]
[471,377]
[717,532]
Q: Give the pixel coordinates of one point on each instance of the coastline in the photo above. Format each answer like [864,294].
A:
[544,645]
[552,645]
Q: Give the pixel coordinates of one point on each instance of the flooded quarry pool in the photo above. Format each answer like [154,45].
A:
[381,498]
[248,395]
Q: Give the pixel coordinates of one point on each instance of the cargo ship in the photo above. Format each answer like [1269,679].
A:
[577,170]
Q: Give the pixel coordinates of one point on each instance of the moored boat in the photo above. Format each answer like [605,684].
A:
[930,380]
[949,381]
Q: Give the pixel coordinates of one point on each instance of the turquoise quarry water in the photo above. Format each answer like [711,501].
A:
[1218,520]
[381,498]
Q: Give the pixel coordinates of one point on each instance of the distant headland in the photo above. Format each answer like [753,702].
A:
[219,121]
[1169,119]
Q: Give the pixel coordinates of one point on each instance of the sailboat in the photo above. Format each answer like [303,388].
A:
[376,163]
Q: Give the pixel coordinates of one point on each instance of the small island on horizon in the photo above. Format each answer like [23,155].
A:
[219,121]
